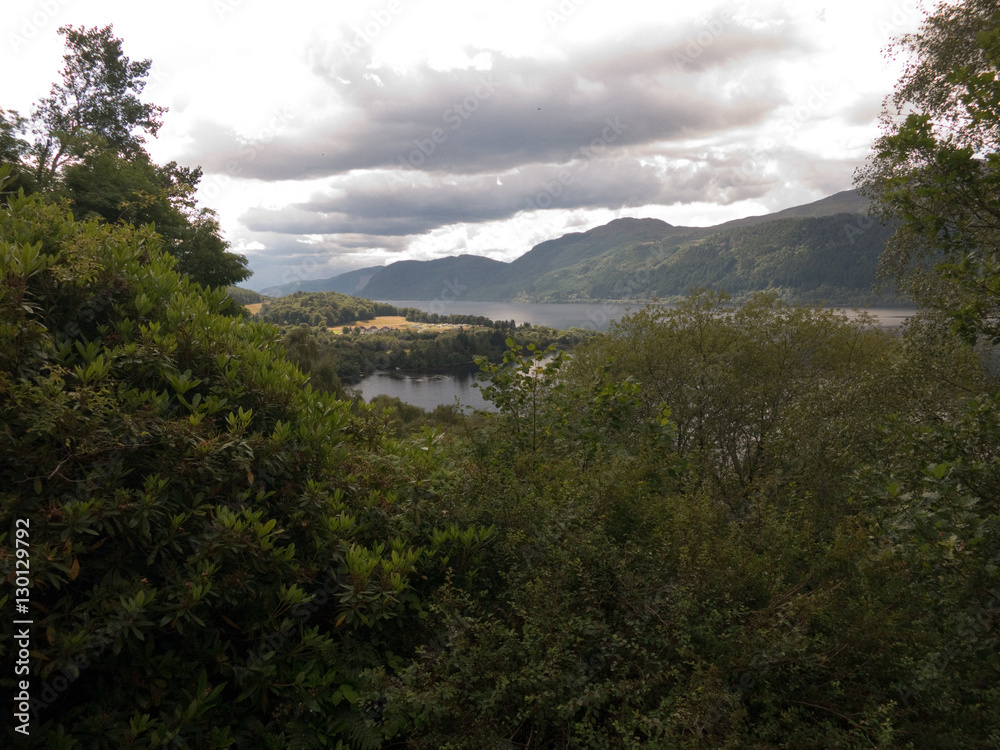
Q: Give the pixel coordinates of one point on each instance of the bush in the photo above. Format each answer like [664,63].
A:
[217,551]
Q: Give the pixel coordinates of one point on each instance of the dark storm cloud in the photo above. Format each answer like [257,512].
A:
[519,112]
[399,208]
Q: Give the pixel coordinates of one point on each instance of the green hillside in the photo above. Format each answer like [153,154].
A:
[445,278]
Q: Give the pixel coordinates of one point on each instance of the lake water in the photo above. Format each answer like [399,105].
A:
[425,391]
[429,391]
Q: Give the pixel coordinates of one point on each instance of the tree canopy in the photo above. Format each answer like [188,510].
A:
[936,167]
[88,148]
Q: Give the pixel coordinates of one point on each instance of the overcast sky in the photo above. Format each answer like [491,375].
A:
[336,135]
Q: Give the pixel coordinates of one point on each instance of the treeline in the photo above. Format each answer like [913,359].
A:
[242,296]
[419,316]
[322,309]
[332,309]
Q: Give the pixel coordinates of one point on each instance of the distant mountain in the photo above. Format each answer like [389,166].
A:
[351,283]
[826,250]
[451,278]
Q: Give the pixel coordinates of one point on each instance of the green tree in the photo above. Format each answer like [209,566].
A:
[936,167]
[935,170]
[758,394]
[97,98]
[90,133]
[14,149]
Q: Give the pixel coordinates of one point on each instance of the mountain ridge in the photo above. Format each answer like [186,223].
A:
[825,249]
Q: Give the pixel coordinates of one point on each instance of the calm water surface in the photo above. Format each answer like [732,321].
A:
[428,391]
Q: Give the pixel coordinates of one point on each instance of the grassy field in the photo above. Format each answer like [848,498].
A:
[395,322]
[399,323]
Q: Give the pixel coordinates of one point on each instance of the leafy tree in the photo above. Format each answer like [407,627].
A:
[762,393]
[90,133]
[14,149]
[936,167]
[97,103]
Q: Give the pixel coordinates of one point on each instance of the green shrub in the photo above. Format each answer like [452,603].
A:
[217,550]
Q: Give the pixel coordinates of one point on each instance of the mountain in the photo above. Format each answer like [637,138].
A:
[351,283]
[826,250]
[452,278]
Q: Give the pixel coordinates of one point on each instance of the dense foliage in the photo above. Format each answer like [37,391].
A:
[217,550]
[937,167]
[88,150]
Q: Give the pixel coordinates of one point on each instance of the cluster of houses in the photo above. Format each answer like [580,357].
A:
[374,329]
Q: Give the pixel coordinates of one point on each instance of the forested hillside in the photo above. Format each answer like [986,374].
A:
[322,309]
[754,525]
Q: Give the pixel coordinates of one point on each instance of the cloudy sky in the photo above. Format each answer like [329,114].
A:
[336,135]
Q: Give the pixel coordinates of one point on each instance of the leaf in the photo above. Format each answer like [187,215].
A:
[74,569]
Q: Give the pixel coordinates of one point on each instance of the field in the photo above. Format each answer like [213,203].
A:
[399,323]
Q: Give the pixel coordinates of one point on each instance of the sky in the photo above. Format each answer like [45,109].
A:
[338,135]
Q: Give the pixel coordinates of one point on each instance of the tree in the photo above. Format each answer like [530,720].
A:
[90,133]
[96,104]
[13,150]
[136,191]
[759,395]
[936,167]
